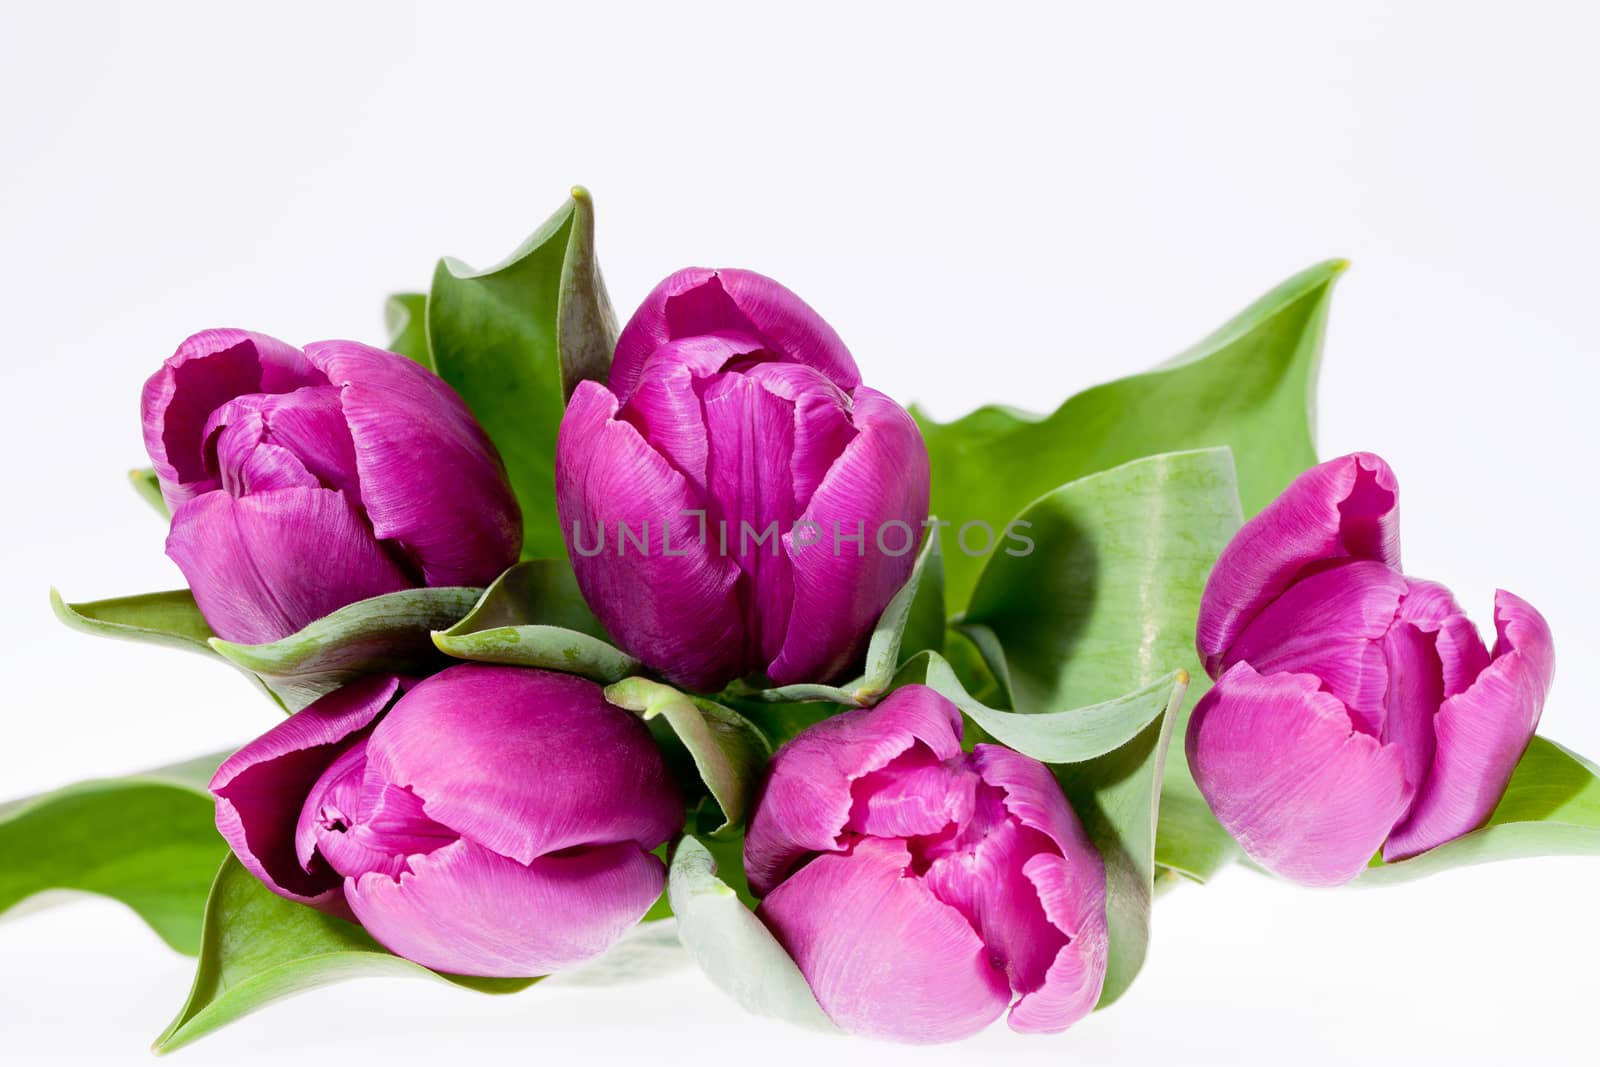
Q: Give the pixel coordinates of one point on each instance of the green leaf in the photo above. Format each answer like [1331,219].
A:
[1106,603]
[258,947]
[168,618]
[143,480]
[1118,797]
[728,752]
[1551,807]
[514,339]
[1068,735]
[1249,385]
[534,616]
[540,592]
[148,840]
[392,633]
[405,317]
[737,953]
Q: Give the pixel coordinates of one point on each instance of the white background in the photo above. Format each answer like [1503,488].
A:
[994,203]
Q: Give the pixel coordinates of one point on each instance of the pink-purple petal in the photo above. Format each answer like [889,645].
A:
[265,565]
[261,788]
[209,369]
[877,490]
[807,798]
[1072,892]
[464,909]
[575,769]
[1306,794]
[1482,733]
[609,476]
[431,481]
[1344,508]
[883,955]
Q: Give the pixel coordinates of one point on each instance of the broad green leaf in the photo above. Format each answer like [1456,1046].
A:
[540,592]
[737,953]
[168,618]
[534,616]
[1249,385]
[1106,603]
[258,947]
[1551,807]
[392,633]
[550,647]
[1117,797]
[728,752]
[405,317]
[148,840]
[143,480]
[1068,735]
[514,339]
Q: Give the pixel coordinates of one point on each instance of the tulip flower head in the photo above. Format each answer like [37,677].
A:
[1355,708]
[493,821]
[923,890]
[300,482]
[737,502]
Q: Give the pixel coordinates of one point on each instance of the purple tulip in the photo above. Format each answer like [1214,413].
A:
[922,889]
[1355,708]
[737,502]
[492,821]
[300,482]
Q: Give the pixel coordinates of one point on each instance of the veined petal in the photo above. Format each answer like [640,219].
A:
[263,566]
[673,604]
[1330,624]
[877,490]
[307,423]
[526,762]
[883,955]
[1282,766]
[1482,733]
[822,422]
[750,500]
[262,788]
[807,798]
[431,480]
[209,369]
[700,301]
[1344,508]
[464,909]
[1072,892]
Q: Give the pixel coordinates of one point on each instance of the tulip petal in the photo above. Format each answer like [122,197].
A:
[822,423]
[209,369]
[262,788]
[1482,733]
[430,478]
[464,909]
[915,794]
[1072,891]
[665,406]
[700,301]
[750,499]
[265,565]
[1346,507]
[608,477]
[1330,624]
[877,490]
[807,798]
[450,726]
[1284,769]
[307,424]
[883,955]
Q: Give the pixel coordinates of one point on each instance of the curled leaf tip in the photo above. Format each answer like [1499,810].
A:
[1183,677]
[578,192]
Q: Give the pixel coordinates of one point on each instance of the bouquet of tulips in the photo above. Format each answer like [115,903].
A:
[583,635]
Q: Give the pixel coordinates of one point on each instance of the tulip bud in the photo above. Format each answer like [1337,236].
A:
[300,482]
[737,502]
[493,821]
[920,889]
[1355,708]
